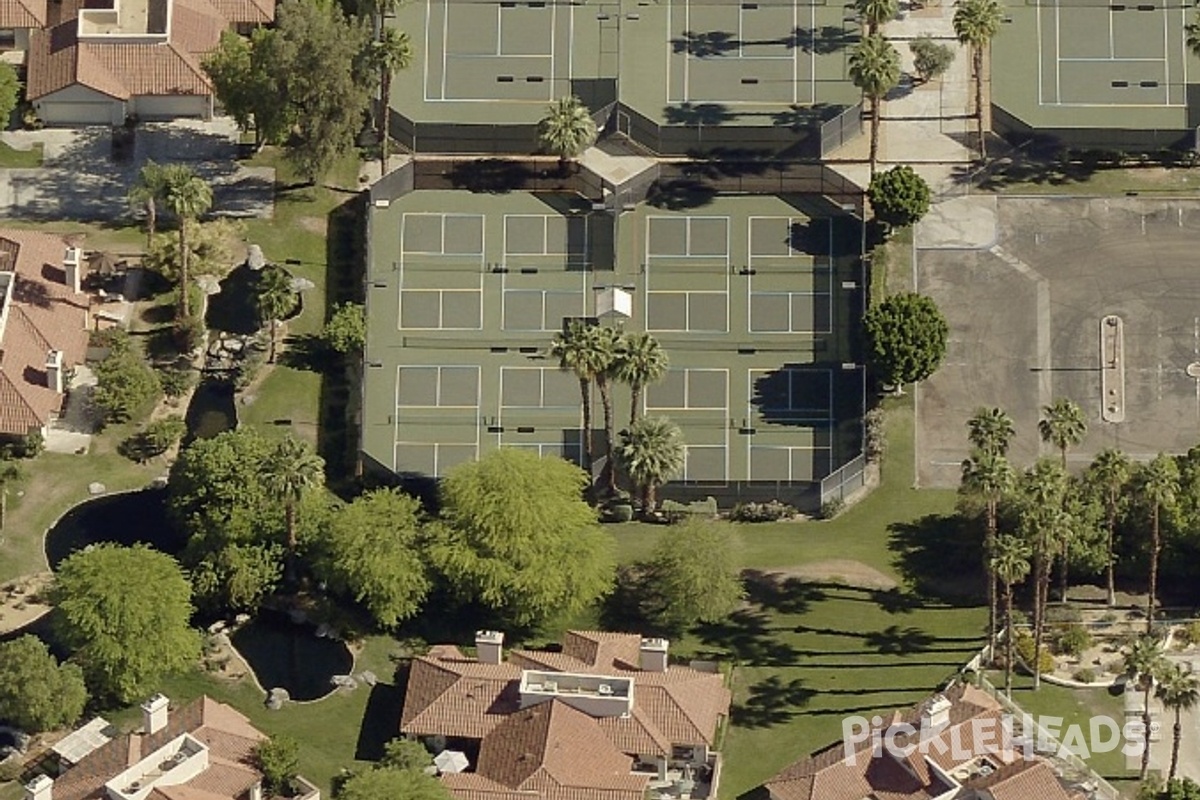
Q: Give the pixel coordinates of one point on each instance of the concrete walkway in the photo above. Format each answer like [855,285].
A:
[928,127]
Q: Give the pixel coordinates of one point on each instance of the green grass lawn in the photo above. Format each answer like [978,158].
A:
[11,157]
[1078,177]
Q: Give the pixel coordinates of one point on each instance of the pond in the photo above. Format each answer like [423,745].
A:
[291,656]
[130,518]
[212,410]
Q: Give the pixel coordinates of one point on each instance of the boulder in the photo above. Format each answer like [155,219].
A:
[277,697]
[234,346]
[241,619]
[344,681]
[96,487]
[368,677]
[254,258]
[302,284]
[209,284]
[159,483]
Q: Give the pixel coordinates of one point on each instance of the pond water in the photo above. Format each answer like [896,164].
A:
[284,654]
[130,518]
[212,410]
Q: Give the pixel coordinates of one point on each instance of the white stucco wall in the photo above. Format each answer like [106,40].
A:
[78,105]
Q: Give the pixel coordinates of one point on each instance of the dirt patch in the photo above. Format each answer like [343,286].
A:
[317,225]
[20,601]
[837,570]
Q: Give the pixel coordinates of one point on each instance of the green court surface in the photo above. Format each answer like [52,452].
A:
[750,298]
[1117,65]
[502,62]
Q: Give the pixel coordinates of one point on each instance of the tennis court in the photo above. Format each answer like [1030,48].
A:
[436,419]
[1112,54]
[511,52]
[441,271]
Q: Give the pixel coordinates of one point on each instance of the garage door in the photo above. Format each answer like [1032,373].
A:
[62,113]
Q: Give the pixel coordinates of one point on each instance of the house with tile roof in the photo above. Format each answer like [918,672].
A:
[953,745]
[44,318]
[99,63]
[204,750]
[606,717]
[17,19]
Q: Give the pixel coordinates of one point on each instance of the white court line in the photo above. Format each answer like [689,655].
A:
[687,57]
[812,56]
[553,36]
[445,48]
[1112,44]
[1057,55]
[1040,54]
[1109,60]
[499,29]
[1166,56]
[425,57]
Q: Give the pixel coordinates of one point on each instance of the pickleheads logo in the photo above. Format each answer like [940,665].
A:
[985,735]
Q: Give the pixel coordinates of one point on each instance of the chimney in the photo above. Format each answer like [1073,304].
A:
[40,788]
[936,713]
[73,268]
[653,655]
[54,371]
[489,647]
[154,714]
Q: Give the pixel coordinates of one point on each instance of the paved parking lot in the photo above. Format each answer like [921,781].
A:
[1025,284]
[79,179]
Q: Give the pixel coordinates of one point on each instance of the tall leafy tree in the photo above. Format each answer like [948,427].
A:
[517,536]
[991,430]
[274,299]
[651,452]
[930,59]
[899,197]
[1192,35]
[876,12]
[567,129]
[875,70]
[125,614]
[374,551]
[390,52]
[10,90]
[692,576]
[189,197]
[976,23]
[1179,690]
[1042,490]
[36,692]
[389,784]
[1108,474]
[1062,425]
[990,476]
[1143,665]
[1158,488]
[641,361]
[1010,561]
[579,350]
[906,338]
[247,81]
[288,473]
[147,192]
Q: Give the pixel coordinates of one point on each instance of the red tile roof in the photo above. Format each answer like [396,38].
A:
[45,315]
[831,775]
[22,13]
[58,58]
[230,737]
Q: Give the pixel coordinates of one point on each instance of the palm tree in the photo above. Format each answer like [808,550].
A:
[576,353]
[991,430]
[290,471]
[1143,664]
[976,23]
[641,361]
[274,299]
[1179,691]
[876,12]
[188,196]
[1063,425]
[1158,485]
[651,453]
[1042,489]
[606,344]
[567,129]
[875,70]
[1010,561]
[1109,472]
[991,476]
[391,52]
[147,191]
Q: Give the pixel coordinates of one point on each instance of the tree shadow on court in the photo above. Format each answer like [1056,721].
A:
[772,701]
[810,236]
[801,118]
[704,114]
[490,175]
[821,41]
[703,44]
[680,193]
[730,162]
[940,557]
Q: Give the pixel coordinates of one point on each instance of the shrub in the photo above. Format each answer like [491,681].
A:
[1084,675]
[11,769]
[177,381]
[616,512]
[1024,647]
[157,438]
[279,760]
[254,356]
[899,196]
[1189,634]
[874,438]
[189,334]
[831,508]
[346,330]
[1060,614]
[930,58]
[771,511]
[1073,640]
[115,339]
[124,384]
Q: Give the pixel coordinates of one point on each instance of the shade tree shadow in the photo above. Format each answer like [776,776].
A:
[380,720]
[680,193]
[703,114]
[940,557]
[896,600]
[772,591]
[772,702]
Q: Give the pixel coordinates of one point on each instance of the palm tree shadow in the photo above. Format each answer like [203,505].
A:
[773,591]
[771,702]
[745,637]
[940,557]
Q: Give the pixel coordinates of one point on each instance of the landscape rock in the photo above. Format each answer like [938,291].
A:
[277,697]
[241,619]
[208,284]
[159,483]
[302,284]
[344,681]
[96,487]
[254,258]
[368,677]
[217,627]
